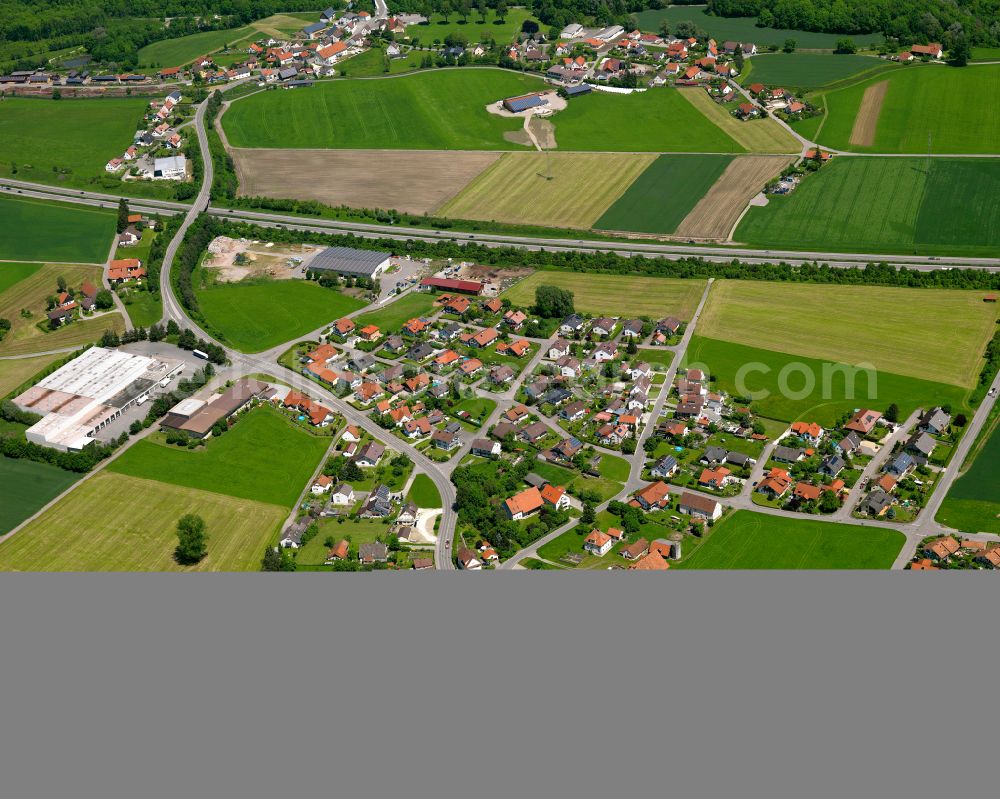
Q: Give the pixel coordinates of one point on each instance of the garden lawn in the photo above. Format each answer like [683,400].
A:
[144,308]
[724,360]
[614,468]
[264,457]
[27,486]
[131,525]
[664,193]
[257,316]
[26,230]
[658,121]
[973,504]
[935,334]
[618,295]
[744,29]
[440,110]
[360,531]
[424,493]
[748,540]
[391,318]
[924,105]
[810,70]
[886,205]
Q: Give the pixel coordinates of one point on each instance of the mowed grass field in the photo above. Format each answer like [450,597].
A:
[437,28]
[113,522]
[443,110]
[550,189]
[14,373]
[936,105]
[749,540]
[27,486]
[743,29]
[810,70]
[393,316]
[258,316]
[664,193]
[886,205]
[756,136]
[973,504]
[264,457]
[792,387]
[27,230]
[652,121]
[934,334]
[14,272]
[424,493]
[616,294]
[81,135]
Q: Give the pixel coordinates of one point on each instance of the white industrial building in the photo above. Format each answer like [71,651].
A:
[173,167]
[88,393]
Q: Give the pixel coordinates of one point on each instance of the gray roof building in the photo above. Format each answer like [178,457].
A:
[349,261]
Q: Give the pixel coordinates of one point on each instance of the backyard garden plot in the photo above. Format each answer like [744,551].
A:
[664,193]
[131,525]
[792,387]
[398,179]
[264,457]
[443,110]
[889,205]
[934,334]
[549,189]
[26,231]
[616,294]
[934,108]
[744,29]
[718,211]
[810,70]
[749,540]
[257,316]
[755,135]
[973,504]
[28,486]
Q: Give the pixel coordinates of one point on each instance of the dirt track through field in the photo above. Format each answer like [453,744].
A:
[866,122]
[716,213]
[413,182]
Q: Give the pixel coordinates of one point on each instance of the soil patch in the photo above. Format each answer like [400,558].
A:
[866,122]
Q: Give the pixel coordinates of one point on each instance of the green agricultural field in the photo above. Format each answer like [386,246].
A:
[755,136]
[599,294]
[660,121]
[80,136]
[664,193]
[748,540]
[924,106]
[424,493]
[744,29]
[871,323]
[28,486]
[887,205]
[26,227]
[441,110]
[973,504]
[17,371]
[257,316]
[11,273]
[132,526]
[724,360]
[265,457]
[437,29]
[393,316]
[810,70]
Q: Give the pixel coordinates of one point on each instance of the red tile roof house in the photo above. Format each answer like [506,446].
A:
[699,506]
[807,492]
[635,551]
[776,484]
[810,431]
[484,337]
[653,561]
[932,50]
[555,496]
[344,327]
[598,543]
[369,333]
[863,421]
[942,548]
[125,269]
[655,496]
[524,504]
[715,478]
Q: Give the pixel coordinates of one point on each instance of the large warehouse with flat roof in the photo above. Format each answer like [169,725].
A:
[88,393]
[350,262]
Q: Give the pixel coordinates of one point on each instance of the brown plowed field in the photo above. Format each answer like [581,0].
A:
[716,213]
[409,181]
[866,122]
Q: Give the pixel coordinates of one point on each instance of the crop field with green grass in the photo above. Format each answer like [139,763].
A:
[131,525]
[658,121]
[28,486]
[371,63]
[17,371]
[264,457]
[442,110]
[398,312]
[26,227]
[664,193]
[973,504]
[424,492]
[437,28]
[888,205]
[810,70]
[599,293]
[814,398]
[258,316]
[935,107]
[14,272]
[872,323]
[748,540]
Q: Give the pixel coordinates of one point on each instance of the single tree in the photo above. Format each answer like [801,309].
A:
[892,413]
[122,215]
[789,46]
[192,540]
[501,10]
[588,515]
